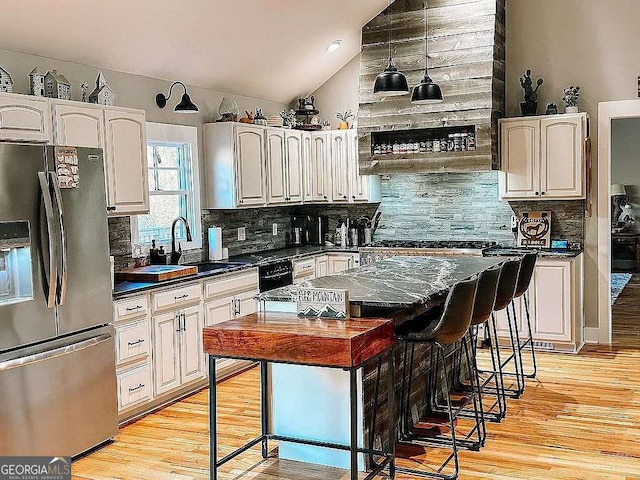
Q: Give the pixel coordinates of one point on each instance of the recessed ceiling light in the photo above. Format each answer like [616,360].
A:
[333,46]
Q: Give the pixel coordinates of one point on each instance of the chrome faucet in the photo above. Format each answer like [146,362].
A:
[175,255]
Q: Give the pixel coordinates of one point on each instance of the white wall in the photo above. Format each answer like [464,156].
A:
[625,161]
[339,93]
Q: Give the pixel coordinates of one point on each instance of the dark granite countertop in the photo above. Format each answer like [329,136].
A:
[542,252]
[124,289]
[401,282]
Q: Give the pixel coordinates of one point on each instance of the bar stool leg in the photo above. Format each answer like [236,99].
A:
[534,372]
[450,411]
[474,378]
[213,428]
[496,363]
[514,347]
[519,344]
[391,414]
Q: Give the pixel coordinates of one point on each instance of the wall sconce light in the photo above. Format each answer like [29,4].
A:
[185,105]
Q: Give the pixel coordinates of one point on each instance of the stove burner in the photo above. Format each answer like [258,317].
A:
[459,244]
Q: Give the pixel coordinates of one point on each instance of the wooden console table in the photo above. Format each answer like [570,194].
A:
[286,338]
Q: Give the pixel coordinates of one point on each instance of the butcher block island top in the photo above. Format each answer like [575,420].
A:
[287,338]
[398,282]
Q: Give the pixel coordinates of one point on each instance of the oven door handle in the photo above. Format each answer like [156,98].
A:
[276,276]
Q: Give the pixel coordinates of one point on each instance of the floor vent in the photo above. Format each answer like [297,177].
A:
[544,345]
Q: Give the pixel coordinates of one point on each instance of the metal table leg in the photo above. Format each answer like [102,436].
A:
[353,401]
[263,408]
[213,429]
[391,414]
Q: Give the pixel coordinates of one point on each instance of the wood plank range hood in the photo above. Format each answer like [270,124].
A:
[467,60]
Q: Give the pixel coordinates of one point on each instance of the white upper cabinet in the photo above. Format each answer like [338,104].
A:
[24,118]
[250,165]
[126,162]
[254,166]
[320,167]
[362,188]
[543,157]
[307,171]
[276,169]
[294,149]
[562,159]
[78,126]
[339,167]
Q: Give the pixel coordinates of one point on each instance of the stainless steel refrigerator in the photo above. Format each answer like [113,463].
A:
[57,349]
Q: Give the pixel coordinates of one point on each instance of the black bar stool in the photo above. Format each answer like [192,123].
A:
[491,384]
[506,291]
[441,332]
[527,266]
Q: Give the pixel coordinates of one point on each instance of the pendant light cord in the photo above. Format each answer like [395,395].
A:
[389,25]
[426,39]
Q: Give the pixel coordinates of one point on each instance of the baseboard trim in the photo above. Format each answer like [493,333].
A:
[591,335]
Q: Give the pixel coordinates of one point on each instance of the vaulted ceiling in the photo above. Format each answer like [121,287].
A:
[271,49]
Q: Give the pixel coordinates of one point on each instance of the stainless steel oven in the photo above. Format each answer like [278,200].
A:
[275,275]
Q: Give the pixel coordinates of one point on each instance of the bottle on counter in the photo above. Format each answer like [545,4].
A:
[396,147]
[343,235]
[416,147]
[463,140]
[376,149]
[436,146]
[338,238]
[429,146]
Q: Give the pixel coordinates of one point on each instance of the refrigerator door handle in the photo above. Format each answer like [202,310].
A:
[58,352]
[62,288]
[52,274]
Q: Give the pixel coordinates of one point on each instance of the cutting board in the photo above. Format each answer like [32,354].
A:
[155,273]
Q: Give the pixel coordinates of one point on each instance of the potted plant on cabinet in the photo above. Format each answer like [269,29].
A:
[530,104]
[570,98]
[344,119]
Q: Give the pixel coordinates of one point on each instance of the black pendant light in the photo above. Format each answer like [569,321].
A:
[426,91]
[391,81]
[185,105]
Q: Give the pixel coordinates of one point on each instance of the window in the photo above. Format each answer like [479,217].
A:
[172,156]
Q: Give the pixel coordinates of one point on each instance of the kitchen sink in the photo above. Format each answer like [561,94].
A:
[216,266]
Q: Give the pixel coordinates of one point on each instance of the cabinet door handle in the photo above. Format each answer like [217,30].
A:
[184,322]
[137,342]
[111,209]
[133,309]
[133,389]
[537,193]
[237,309]
[186,295]
[542,193]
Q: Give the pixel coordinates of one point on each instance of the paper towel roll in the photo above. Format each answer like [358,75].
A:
[215,243]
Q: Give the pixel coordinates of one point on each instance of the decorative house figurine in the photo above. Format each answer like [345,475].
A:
[84,88]
[36,83]
[103,94]
[6,82]
[259,118]
[56,85]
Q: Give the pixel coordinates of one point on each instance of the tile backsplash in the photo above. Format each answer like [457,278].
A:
[464,206]
[259,228]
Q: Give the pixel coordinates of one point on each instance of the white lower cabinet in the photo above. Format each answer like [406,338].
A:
[227,297]
[339,262]
[322,266]
[177,348]
[304,269]
[134,387]
[555,299]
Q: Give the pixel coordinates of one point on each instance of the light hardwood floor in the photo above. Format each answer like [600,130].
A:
[579,420]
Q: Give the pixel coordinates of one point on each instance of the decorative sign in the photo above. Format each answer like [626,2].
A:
[534,230]
[67,167]
[323,303]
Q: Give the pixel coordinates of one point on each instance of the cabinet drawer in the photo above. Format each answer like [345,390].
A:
[132,341]
[228,285]
[177,296]
[134,386]
[304,268]
[131,307]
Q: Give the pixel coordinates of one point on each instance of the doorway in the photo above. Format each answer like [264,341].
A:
[618,219]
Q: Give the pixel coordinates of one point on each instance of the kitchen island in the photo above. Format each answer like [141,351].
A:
[315,401]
